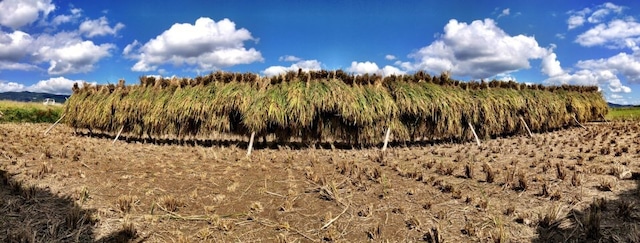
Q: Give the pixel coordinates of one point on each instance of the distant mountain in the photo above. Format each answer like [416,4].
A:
[612,105]
[26,96]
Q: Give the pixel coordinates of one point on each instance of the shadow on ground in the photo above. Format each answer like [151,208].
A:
[263,143]
[602,220]
[32,214]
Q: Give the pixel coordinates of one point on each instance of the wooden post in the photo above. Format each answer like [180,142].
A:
[474,134]
[526,126]
[117,136]
[253,134]
[575,119]
[604,119]
[386,139]
[54,124]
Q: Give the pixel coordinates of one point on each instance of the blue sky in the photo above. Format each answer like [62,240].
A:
[47,45]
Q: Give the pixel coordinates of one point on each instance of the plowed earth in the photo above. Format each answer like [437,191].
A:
[571,185]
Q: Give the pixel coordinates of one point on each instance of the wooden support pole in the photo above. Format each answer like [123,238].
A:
[117,136]
[526,126]
[386,139]
[474,134]
[604,119]
[54,124]
[575,119]
[253,134]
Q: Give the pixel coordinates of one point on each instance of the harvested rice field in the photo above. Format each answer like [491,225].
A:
[573,185]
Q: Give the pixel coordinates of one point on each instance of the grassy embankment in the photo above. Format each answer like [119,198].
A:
[630,113]
[12,111]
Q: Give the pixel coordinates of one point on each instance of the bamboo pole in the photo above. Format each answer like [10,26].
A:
[253,134]
[386,139]
[575,119]
[474,134]
[117,136]
[604,119]
[526,126]
[54,124]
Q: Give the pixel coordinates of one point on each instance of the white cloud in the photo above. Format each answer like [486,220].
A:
[99,27]
[130,47]
[601,78]
[305,65]
[389,70]
[616,34]
[67,53]
[206,44]
[14,46]
[603,73]
[363,67]
[602,11]
[505,12]
[616,96]
[622,63]
[18,13]
[64,52]
[579,18]
[359,68]
[479,50]
[289,58]
[505,77]
[551,66]
[390,57]
[10,86]
[4,65]
[59,86]
[76,13]
[575,21]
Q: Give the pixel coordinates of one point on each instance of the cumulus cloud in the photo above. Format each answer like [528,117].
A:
[67,53]
[551,66]
[505,77]
[14,46]
[64,52]
[305,65]
[617,33]
[57,85]
[390,57]
[601,78]
[372,68]
[18,13]
[479,50]
[625,64]
[600,73]
[206,45]
[10,86]
[363,67]
[99,27]
[391,70]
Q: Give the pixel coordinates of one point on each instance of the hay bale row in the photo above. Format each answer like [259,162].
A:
[323,105]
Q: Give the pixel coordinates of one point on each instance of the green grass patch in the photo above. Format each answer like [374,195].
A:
[12,111]
[627,113]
